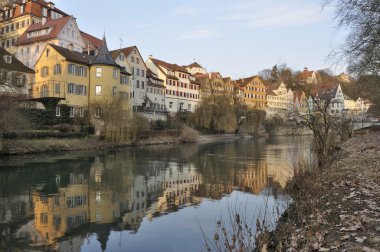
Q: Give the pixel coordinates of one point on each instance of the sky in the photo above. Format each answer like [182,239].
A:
[237,38]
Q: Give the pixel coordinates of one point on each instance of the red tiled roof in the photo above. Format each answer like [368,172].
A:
[195,64]
[34,8]
[55,24]
[93,42]
[243,82]
[172,67]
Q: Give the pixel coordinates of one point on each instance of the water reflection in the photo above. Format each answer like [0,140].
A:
[80,201]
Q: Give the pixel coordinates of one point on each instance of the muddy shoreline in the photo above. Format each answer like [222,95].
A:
[336,207]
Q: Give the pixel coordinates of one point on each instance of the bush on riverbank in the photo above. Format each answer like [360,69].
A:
[41,134]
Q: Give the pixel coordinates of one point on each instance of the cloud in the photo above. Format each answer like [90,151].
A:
[184,11]
[200,34]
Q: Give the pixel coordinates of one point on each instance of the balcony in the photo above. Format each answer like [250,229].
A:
[49,93]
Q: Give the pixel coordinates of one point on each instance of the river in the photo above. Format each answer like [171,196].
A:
[156,198]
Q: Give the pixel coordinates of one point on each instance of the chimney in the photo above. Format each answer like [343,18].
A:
[150,56]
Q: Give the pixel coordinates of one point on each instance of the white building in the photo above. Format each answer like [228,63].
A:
[63,32]
[182,89]
[279,100]
[131,59]
[333,98]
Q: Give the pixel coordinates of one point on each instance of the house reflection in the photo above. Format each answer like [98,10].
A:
[118,190]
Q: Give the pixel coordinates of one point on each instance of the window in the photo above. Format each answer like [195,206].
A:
[58,111]
[98,72]
[137,61]
[97,112]
[98,90]
[137,84]
[170,104]
[123,79]
[44,12]
[81,71]
[137,71]
[72,111]
[44,71]
[71,88]
[142,73]
[57,69]
[132,59]
[71,69]
[47,52]
[115,75]
[121,57]
[80,112]
[114,90]
[142,85]
[57,88]
[132,70]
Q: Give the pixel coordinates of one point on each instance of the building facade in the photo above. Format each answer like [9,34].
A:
[254,92]
[16,17]
[181,88]
[63,32]
[131,59]
[78,80]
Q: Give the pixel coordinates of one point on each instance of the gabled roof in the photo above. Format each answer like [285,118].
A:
[104,57]
[126,51]
[328,92]
[244,81]
[93,42]
[56,26]
[195,64]
[74,56]
[172,67]
[15,65]
[33,8]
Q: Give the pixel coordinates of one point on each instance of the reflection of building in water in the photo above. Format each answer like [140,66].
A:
[254,177]
[58,210]
[138,203]
[15,207]
[180,181]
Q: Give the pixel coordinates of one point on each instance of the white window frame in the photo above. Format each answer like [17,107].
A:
[98,90]
[58,111]
[72,111]
[98,72]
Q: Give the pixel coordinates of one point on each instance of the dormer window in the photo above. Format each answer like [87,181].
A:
[121,57]
[8,59]
[44,12]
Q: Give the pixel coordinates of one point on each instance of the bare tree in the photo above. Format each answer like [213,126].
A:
[317,119]
[362,45]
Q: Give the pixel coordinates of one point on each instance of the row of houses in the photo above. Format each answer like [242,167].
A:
[64,65]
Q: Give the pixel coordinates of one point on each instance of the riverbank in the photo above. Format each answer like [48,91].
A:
[52,145]
[336,208]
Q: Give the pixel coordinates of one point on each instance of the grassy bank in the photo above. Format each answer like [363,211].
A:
[337,207]
[52,145]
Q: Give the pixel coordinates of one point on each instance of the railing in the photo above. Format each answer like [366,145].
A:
[49,89]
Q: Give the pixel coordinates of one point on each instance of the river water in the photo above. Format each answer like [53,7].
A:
[145,199]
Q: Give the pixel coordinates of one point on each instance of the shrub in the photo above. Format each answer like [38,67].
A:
[42,135]
[189,135]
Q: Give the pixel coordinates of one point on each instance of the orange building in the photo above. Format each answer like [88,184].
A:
[254,92]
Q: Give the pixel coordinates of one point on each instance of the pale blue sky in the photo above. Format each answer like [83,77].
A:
[235,37]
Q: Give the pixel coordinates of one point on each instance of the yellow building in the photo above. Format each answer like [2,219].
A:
[66,77]
[254,92]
